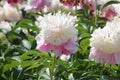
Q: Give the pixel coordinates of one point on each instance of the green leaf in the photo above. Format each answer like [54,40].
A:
[10,65]
[26,44]
[32,52]
[25,23]
[33,66]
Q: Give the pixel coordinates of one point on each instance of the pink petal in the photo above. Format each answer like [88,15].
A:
[45,48]
[109,12]
[91,5]
[101,57]
[117,58]
[42,45]
[71,46]
[58,50]
[37,5]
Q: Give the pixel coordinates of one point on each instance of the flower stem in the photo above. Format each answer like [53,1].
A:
[52,71]
[101,73]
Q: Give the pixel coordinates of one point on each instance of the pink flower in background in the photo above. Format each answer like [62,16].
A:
[105,43]
[12,2]
[57,34]
[70,3]
[91,5]
[109,12]
[37,5]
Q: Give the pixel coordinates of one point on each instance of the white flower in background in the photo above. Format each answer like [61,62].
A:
[55,5]
[106,40]
[5,25]
[117,8]
[105,43]
[65,57]
[57,33]
[11,13]
[114,24]
[2,16]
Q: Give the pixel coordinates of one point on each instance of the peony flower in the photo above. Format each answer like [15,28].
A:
[105,43]
[57,34]
[11,13]
[34,5]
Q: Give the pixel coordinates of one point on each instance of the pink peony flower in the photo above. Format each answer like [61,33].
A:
[57,34]
[109,12]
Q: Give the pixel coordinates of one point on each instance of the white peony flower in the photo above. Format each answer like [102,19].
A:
[57,34]
[108,38]
[58,28]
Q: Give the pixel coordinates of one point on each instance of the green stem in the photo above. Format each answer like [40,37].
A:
[52,71]
[101,73]
[51,75]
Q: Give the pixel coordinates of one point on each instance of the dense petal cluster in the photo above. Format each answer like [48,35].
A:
[57,33]
[105,43]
